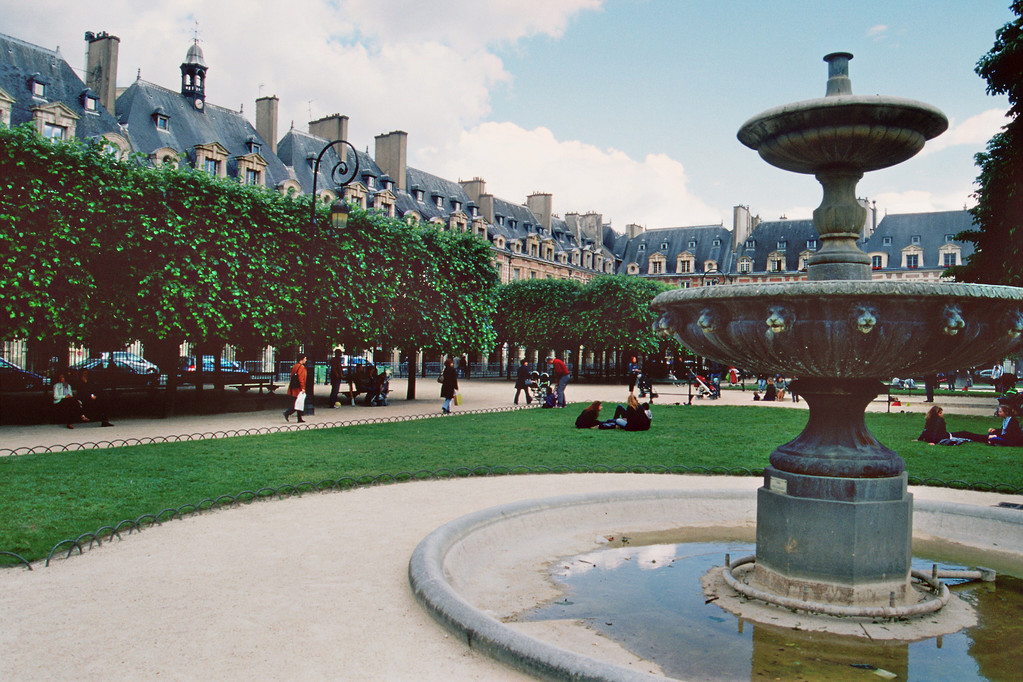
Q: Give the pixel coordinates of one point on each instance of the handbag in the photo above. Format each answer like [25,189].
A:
[440,379]
[458,399]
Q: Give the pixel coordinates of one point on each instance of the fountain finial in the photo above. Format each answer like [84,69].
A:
[838,74]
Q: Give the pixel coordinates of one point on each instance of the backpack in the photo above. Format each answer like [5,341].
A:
[295,384]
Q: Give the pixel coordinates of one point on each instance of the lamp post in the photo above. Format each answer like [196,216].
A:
[341,175]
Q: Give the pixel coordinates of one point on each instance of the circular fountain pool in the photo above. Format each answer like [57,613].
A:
[478,574]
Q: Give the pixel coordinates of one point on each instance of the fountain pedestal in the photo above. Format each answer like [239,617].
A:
[834,540]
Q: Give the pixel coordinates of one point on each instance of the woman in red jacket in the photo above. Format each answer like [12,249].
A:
[296,389]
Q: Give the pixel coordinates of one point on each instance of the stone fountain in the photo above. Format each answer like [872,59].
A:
[834,518]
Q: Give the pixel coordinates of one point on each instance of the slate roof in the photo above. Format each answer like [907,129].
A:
[933,231]
[432,186]
[792,237]
[298,151]
[188,127]
[704,242]
[20,61]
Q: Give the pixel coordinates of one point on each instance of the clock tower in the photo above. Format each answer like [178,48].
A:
[193,77]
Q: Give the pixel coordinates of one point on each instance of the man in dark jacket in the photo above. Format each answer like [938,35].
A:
[522,381]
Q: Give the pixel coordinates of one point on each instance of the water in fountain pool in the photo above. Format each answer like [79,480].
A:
[650,600]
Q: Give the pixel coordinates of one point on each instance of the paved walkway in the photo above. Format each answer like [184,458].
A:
[306,588]
[485,394]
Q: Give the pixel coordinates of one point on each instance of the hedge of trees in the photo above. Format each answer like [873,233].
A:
[101,251]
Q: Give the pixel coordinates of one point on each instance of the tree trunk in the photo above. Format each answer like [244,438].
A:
[411,354]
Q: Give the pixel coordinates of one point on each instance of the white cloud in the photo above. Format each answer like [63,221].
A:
[878,32]
[974,131]
[923,201]
[581,177]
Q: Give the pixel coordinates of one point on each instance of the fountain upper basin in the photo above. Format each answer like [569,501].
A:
[862,133]
[846,329]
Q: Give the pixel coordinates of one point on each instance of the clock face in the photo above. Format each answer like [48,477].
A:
[198,104]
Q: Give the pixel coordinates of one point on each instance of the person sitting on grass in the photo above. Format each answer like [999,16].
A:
[1009,435]
[633,416]
[551,399]
[936,432]
[589,417]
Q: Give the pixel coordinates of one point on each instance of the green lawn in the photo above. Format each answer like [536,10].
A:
[48,498]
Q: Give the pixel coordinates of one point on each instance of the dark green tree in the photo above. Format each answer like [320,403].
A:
[616,315]
[997,232]
[541,314]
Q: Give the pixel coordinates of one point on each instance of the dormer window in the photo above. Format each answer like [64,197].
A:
[90,103]
[500,220]
[692,244]
[37,85]
[664,246]
[949,238]
[641,247]
[915,239]
[161,119]
[418,193]
[253,148]
[811,243]
[717,242]
[887,241]
[54,132]
[456,205]
[751,243]
[438,200]
[782,245]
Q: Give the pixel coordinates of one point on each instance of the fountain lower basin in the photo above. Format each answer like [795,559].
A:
[481,569]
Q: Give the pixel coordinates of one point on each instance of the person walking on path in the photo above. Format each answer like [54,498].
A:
[296,389]
[448,385]
[337,375]
[522,382]
[561,377]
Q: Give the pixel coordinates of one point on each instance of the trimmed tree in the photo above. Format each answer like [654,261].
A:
[998,258]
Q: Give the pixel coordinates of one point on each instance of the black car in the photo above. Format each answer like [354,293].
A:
[120,373]
[14,378]
[230,370]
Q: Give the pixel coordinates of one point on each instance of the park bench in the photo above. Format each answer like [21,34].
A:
[259,381]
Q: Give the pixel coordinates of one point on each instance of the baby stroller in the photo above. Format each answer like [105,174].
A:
[704,388]
[645,386]
[537,385]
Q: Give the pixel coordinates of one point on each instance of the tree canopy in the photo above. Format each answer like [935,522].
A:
[997,233]
[101,251]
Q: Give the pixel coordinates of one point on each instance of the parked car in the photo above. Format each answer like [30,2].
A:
[230,370]
[14,378]
[126,371]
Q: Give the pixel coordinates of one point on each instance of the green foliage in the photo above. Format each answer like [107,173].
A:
[538,313]
[615,313]
[998,258]
[101,251]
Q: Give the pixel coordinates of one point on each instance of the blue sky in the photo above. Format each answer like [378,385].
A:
[624,107]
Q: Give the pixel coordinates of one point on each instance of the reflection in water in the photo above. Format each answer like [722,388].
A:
[650,600]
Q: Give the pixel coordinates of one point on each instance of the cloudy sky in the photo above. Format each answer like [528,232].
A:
[624,107]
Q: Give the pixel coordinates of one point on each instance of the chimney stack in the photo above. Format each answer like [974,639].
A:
[101,67]
[477,191]
[266,120]
[392,156]
[330,128]
[541,205]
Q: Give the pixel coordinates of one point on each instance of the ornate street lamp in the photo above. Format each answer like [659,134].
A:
[341,175]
